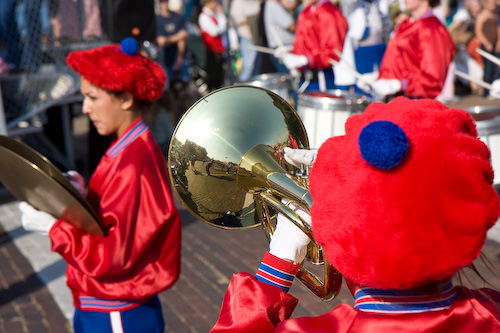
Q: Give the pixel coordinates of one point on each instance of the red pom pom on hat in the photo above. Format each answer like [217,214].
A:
[410,218]
[120,68]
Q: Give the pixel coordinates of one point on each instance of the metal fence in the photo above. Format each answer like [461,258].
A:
[35,38]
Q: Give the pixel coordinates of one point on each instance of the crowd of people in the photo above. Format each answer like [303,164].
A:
[25,26]
[378,47]
[244,38]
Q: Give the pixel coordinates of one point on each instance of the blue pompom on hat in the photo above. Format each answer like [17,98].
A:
[129,46]
[383,144]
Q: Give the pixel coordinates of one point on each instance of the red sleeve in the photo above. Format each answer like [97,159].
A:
[420,53]
[320,33]
[250,305]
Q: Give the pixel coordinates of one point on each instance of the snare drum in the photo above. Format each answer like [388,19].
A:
[325,113]
[281,84]
[488,128]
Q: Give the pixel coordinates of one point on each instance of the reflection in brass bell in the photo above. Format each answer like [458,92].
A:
[212,139]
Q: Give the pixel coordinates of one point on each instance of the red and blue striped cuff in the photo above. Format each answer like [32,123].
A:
[88,303]
[277,272]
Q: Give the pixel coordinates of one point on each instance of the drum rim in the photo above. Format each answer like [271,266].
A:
[267,79]
[357,100]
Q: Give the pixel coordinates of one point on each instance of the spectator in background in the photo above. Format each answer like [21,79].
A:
[92,29]
[171,35]
[31,58]
[487,31]
[9,35]
[45,14]
[213,25]
[240,11]
[279,25]
[467,59]
[67,23]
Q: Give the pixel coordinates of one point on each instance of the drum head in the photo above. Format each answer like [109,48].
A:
[32,178]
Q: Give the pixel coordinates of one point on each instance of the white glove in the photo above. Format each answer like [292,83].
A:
[288,241]
[366,81]
[36,220]
[384,87]
[281,51]
[495,89]
[293,61]
[77,181]
[298,157]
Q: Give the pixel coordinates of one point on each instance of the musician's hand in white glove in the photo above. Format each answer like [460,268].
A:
[294,61]
[366,81]
[281,51]
[36,220]
[385,87]
[288,241]
[298,157]
[77,181]
[495,89]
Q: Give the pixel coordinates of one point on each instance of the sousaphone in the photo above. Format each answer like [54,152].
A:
[226,165]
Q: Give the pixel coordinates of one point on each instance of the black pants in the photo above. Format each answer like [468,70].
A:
[215,70]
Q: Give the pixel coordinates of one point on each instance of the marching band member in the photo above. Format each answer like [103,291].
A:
[402,202]
[319,35]
[115,278]
[417,57]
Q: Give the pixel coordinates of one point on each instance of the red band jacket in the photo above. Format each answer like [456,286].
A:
[140,254]
[419,53]
[321,30]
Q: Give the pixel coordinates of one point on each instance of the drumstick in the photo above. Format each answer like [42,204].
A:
[262,49]
[473,79]
[489,56]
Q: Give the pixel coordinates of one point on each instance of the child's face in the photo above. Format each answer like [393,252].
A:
[489,4]
[412,5]
[106,111]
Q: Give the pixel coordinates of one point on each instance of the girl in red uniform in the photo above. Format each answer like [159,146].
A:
[418,55]
[402,202]
[320,34]
[115,278]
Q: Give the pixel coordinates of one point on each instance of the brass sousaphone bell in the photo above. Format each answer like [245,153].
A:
[226,166]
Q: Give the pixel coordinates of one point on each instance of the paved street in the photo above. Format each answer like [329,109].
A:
[34,297]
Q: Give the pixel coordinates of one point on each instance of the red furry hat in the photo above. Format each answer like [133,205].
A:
[120,68]
[405,197]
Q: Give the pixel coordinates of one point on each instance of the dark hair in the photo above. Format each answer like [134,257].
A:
[143,106]
[434,3]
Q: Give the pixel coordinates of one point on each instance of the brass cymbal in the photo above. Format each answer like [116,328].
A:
[45,164]
[30,177]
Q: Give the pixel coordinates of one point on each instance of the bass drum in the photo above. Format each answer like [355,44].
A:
[325,113]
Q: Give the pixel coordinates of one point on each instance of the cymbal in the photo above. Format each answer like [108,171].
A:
[45,164]
[30,177]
